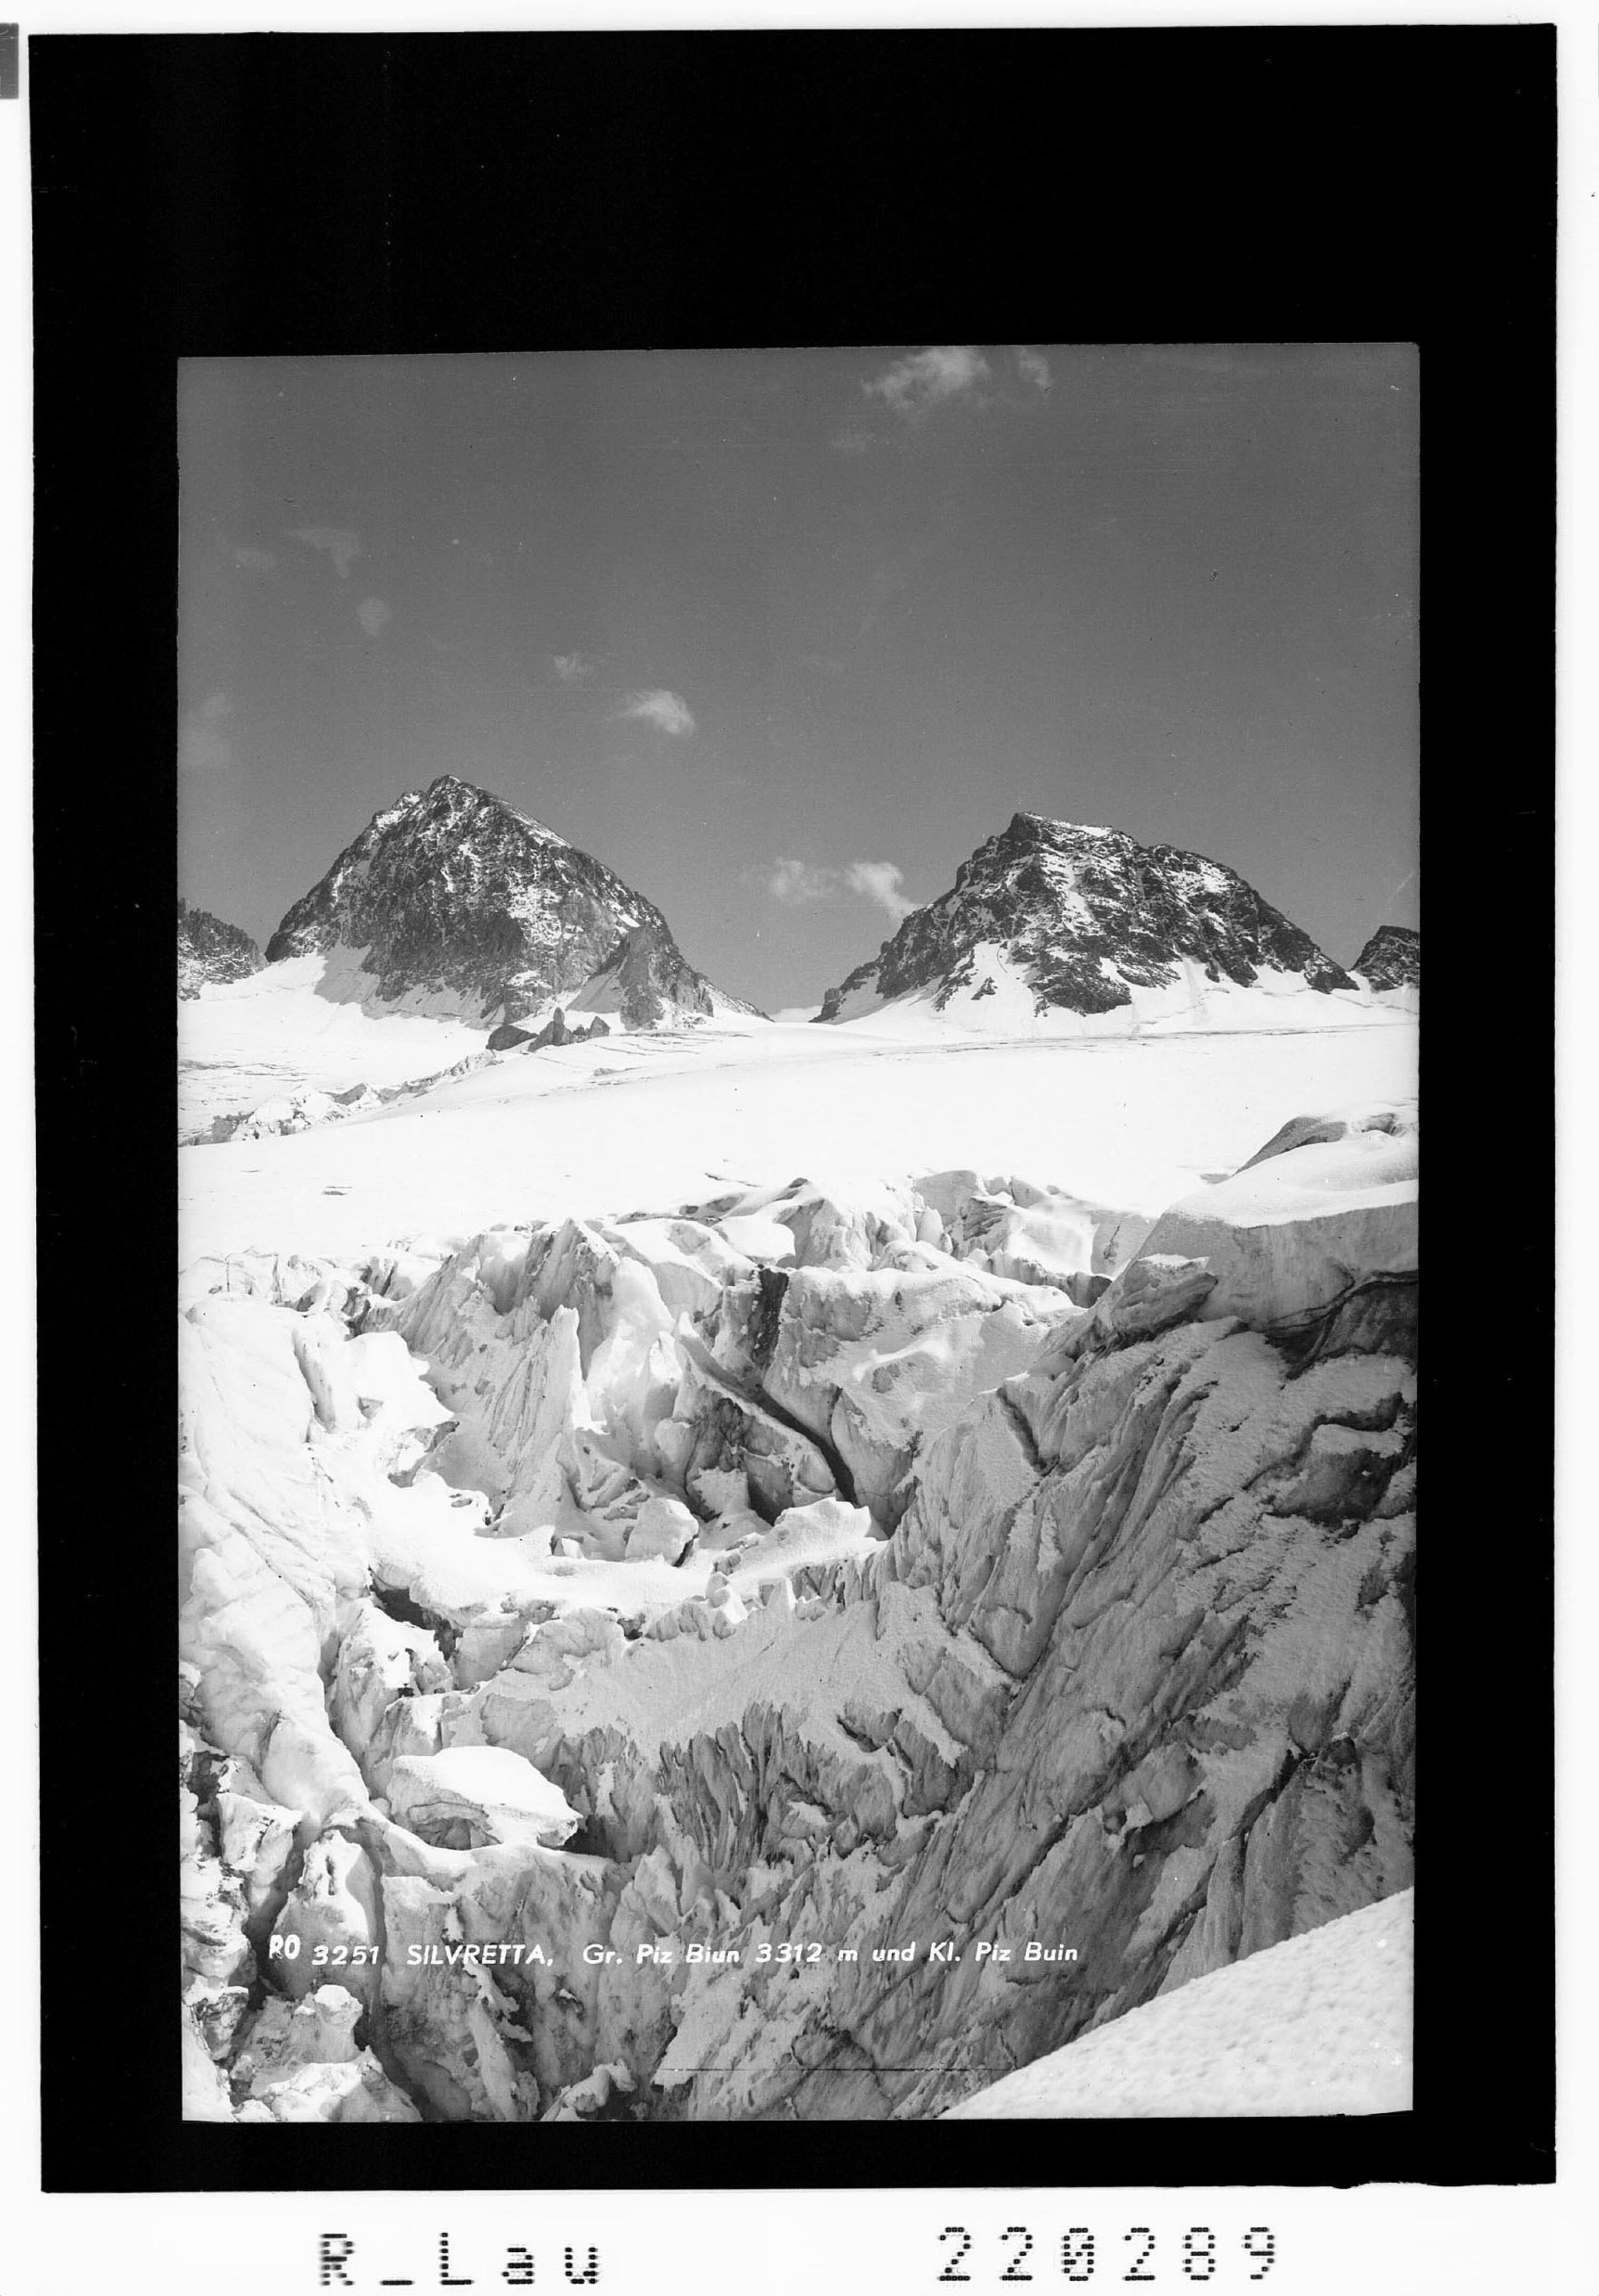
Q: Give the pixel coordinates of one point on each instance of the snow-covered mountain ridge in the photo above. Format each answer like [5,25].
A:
[1052,921]
[451,892]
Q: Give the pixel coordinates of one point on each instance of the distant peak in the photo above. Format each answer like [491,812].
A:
[210,949]
[1392,958]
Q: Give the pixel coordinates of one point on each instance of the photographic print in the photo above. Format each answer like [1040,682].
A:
[799,977]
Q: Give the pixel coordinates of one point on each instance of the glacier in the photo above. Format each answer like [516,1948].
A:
[610,1641]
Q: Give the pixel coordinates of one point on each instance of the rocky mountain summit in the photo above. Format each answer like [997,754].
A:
[1082,920]
[209,950]
[1391,958]
[452,891]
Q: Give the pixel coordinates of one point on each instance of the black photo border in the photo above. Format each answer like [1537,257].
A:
[236,196]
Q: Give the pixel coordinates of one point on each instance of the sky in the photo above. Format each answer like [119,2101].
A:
[782,636]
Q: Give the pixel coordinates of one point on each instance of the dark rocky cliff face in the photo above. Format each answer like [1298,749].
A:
[1391,958]
[1088,914]
[208,950]
[646,975]
[451,888]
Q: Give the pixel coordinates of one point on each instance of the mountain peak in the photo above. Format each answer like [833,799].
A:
[1391,958]
[449,788]
[209,949]
[1042,828]
[447,796]
[453,891]
[1081,919]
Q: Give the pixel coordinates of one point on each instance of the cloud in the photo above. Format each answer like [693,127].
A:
[373,614]
[255,561]
[913,386]
[797,884]
[880,881]
[571,668]
[1033,367]
[338,541]
[202,747]
[662,708]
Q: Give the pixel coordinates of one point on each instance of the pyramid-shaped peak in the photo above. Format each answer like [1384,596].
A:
[1072,917]
[451,892]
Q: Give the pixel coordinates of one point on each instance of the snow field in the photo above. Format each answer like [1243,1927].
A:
[533,1521]
[642,1122]
[1319,2025]
[304,1024]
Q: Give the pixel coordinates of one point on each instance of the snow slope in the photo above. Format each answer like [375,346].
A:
[1319,2025]
[307,1023]
[1000,998]
[625,1122]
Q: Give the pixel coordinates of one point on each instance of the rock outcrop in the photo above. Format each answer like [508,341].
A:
[643,980]
[210,950]
[1391,958]
[557,1030]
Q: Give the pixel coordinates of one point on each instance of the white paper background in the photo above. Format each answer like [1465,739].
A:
[1384,2241]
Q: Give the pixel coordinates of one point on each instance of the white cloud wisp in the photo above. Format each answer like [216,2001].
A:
[797,884]
[880,881]
[916,384]
[658,706]
[1033,367]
